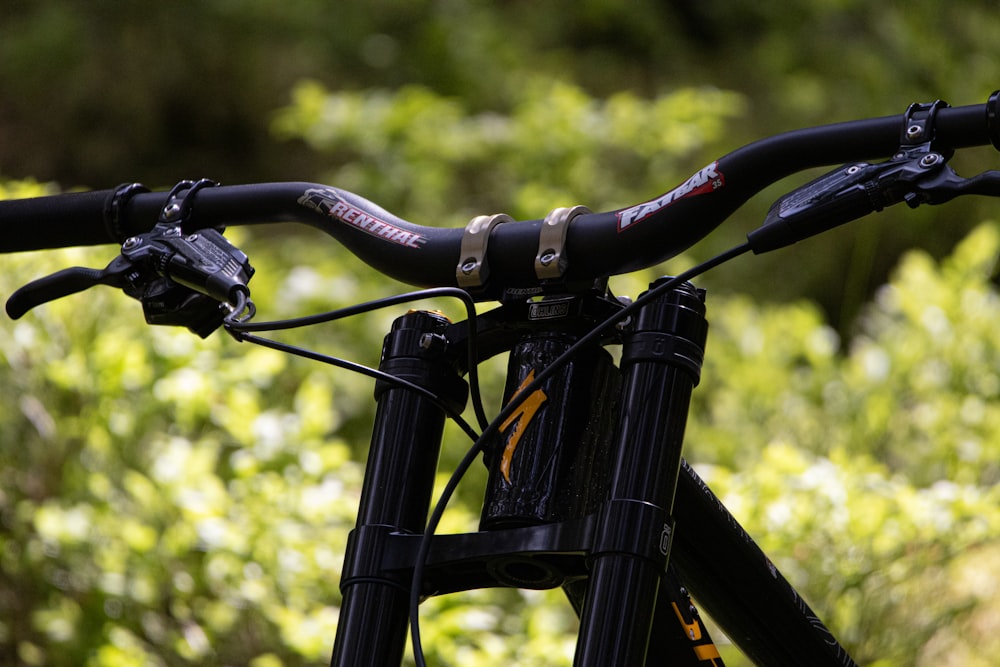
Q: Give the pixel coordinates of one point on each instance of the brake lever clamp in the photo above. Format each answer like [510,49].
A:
[918,131]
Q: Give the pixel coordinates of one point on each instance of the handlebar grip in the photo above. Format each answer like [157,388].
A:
[971,125]
[57,221]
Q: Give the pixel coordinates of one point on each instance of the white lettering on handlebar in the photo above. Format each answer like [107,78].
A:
[706,180]
[328,203]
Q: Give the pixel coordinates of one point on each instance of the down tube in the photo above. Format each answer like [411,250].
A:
[740,588]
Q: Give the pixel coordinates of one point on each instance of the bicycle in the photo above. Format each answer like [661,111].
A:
[604,507]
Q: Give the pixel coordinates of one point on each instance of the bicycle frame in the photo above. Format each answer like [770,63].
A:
[581,495]
[588,505]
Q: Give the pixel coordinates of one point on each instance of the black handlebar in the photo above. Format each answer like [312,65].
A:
[512,254]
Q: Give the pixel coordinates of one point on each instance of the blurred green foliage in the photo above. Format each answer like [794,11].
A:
[416,151]
[134,91]
[167,500]
[871,476]
[171,501]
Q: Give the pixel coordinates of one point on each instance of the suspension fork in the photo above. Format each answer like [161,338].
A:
[662,353]
[397,489]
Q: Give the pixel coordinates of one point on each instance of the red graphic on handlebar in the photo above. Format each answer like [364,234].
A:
[706,180]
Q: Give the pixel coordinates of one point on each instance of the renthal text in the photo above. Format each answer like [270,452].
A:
[328,203]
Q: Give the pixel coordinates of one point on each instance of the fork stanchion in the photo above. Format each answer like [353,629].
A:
[399,481]
[661,362]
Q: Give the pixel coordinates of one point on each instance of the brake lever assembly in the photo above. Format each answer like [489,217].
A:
[917,174]
[197,280]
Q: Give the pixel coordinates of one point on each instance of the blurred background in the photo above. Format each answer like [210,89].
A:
[97,95]
[166,500]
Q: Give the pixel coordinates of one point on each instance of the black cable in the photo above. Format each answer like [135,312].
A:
[240,311]
[363,370]
[235,326]
[490,431]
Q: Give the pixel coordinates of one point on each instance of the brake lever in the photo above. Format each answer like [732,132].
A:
[946,185]
[66,282]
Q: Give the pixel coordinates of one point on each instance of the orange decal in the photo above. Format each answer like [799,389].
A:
[707,652]
[520,420]
[692,630]
[704,652]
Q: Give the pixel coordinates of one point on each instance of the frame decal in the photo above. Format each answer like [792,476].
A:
[519,420]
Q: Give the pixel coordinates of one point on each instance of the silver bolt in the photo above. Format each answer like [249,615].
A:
[853,170]
[930,160]
[547,257]
[469,266]
[192,238]
[429,341]
[624,324]
[914,131]
[171,210]
[131,243]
